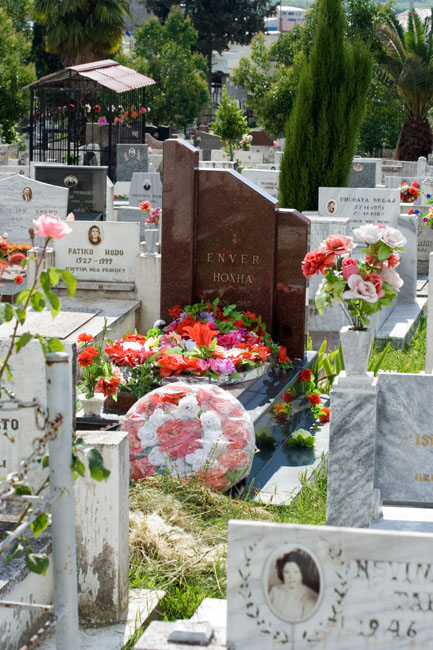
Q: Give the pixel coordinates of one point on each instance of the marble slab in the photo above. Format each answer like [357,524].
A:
[87,185]
[405,438]
[145,187]
[130,158]
[361,205]
[100,252]
[352,589]
[132,215]
[362,174]
[23,199]
[239,154]
[267,180]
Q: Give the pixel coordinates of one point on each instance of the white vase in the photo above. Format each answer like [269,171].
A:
[356,346]
[151,236]
[92,405]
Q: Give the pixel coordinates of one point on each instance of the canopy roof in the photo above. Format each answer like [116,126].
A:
[107,73]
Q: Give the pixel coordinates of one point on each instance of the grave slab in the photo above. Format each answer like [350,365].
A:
[145,187]
[360,588]
[87,185]
[130,158]
[267,180]
[361,205]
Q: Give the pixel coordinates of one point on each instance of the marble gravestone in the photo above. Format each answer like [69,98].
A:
[130,158]
[267,180]
[87,185]
[361,205]
[362,174]
[99,252]
[22,199]
[353,589]
[4,154]
[222,237]
[145,187]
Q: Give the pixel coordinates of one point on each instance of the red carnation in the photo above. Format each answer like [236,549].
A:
[19,279]
[305,374]
[317,260]
[87,356]
[314,399]
[324,414]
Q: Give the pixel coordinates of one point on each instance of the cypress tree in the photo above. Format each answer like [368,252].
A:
[322,129]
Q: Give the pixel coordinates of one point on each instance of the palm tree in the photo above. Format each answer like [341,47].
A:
[82,31]
[408,67]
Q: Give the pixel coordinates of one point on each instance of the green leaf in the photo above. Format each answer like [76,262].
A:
[44,280]
[20,315]
[46,461]
[54,303]
[40,524]
[23,296]
[320,301]
[23,340]
[8,312]
[78,466]
[37,301]
[69,280]
[54,276]
[54,345]
[14,552]
[301,438]
[23,489]
[37,563]
[96,466]
[375,367]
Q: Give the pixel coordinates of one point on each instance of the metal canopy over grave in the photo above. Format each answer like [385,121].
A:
[91,107]
[222,237]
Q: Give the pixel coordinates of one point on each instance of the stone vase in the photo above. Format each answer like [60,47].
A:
[151,237]
[92,405]
[356,346]
[125,400]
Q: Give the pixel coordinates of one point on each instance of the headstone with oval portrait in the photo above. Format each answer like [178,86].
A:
[87,185]
[23,199]
[4,154]
[145,187]
[103,251]
[130,158]
[299,587]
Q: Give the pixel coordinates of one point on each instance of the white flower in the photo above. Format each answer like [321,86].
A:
[147,435]
[158,418]
[211,423]
[156,457]
[360,289]
[215,446]
[370,233]
[177,467]
[131,345]
[87,108]
[187,409]
[393,238]
[392,278]
[199,459]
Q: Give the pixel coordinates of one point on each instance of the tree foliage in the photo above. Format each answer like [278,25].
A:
[219,22]
[408,70]
[230,124]
[164,53]
[15,73]
[322,129]
[82,31]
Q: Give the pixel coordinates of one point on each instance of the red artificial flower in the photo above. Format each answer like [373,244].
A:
[122,357]
[314,399]
[288,396]
[136,338]
[305,374]
[4,246]
[339,244]
[282,355]
[415,184]
[317,260]
[19,279]
[84,338]
[97,108]
[171,364]
[212,478]
[87,356]
[251,315]
[410,211]
[324,414]
[107,386]
[179,438]
[280,411]
[393,260]
[16,258]
[377,280]
[232,460]
[145,206]
[175,312]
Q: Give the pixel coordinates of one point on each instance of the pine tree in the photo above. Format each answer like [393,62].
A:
[323,127]
[230,124]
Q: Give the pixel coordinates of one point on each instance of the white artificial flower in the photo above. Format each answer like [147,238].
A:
[131,345]
[200,459]
[392,278]
[158,418]
[156,457]
[393,238]
[369,233]
[187,409]
[215,446]
[147,435]
[211,423]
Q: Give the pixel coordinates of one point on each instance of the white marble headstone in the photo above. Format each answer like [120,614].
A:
[100,251]
[23,199]
[355,588]
[361,205]
[267,180]
[145,187]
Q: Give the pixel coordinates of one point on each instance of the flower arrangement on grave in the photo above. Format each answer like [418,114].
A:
[98,375]
[307,386]
[409,193]
[427,216]
[191,429]
[13,259]
[361,287]
[246,141]
[120,197]
[154,214]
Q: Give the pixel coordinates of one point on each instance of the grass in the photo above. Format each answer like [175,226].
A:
[411,358]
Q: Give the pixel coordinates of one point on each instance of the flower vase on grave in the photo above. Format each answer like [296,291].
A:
[151,237]
[92,405]
[356,346]
[125,400]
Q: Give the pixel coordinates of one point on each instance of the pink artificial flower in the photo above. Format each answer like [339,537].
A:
[275,143]
[50,227]
[102,121]
[350,267]
[377,280]
[359,288]
[392,278]
[338,244]
[143,110]
[70,217]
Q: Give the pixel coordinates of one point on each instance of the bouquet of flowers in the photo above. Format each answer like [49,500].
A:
[186,430]
[98,376]
[246,141]
[360,287]
[409,193]
[13,259]
[154,214]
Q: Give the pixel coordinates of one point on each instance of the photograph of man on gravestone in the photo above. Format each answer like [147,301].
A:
[95,235]
[147,186]
[293,586]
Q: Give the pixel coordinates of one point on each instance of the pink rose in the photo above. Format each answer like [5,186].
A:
[50,227]
[338,244]
[350,267]
[392,278]
[377,280]
[360,289]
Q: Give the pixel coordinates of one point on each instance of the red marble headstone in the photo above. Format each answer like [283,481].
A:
[222,236]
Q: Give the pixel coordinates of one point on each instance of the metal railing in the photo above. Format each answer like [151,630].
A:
[57,436]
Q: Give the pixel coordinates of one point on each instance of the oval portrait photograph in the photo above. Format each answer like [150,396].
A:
[331,206]
[292,583]
[94,235]
[27,194]
[70,181]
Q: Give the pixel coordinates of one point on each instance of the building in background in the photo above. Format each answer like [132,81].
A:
[285,19]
